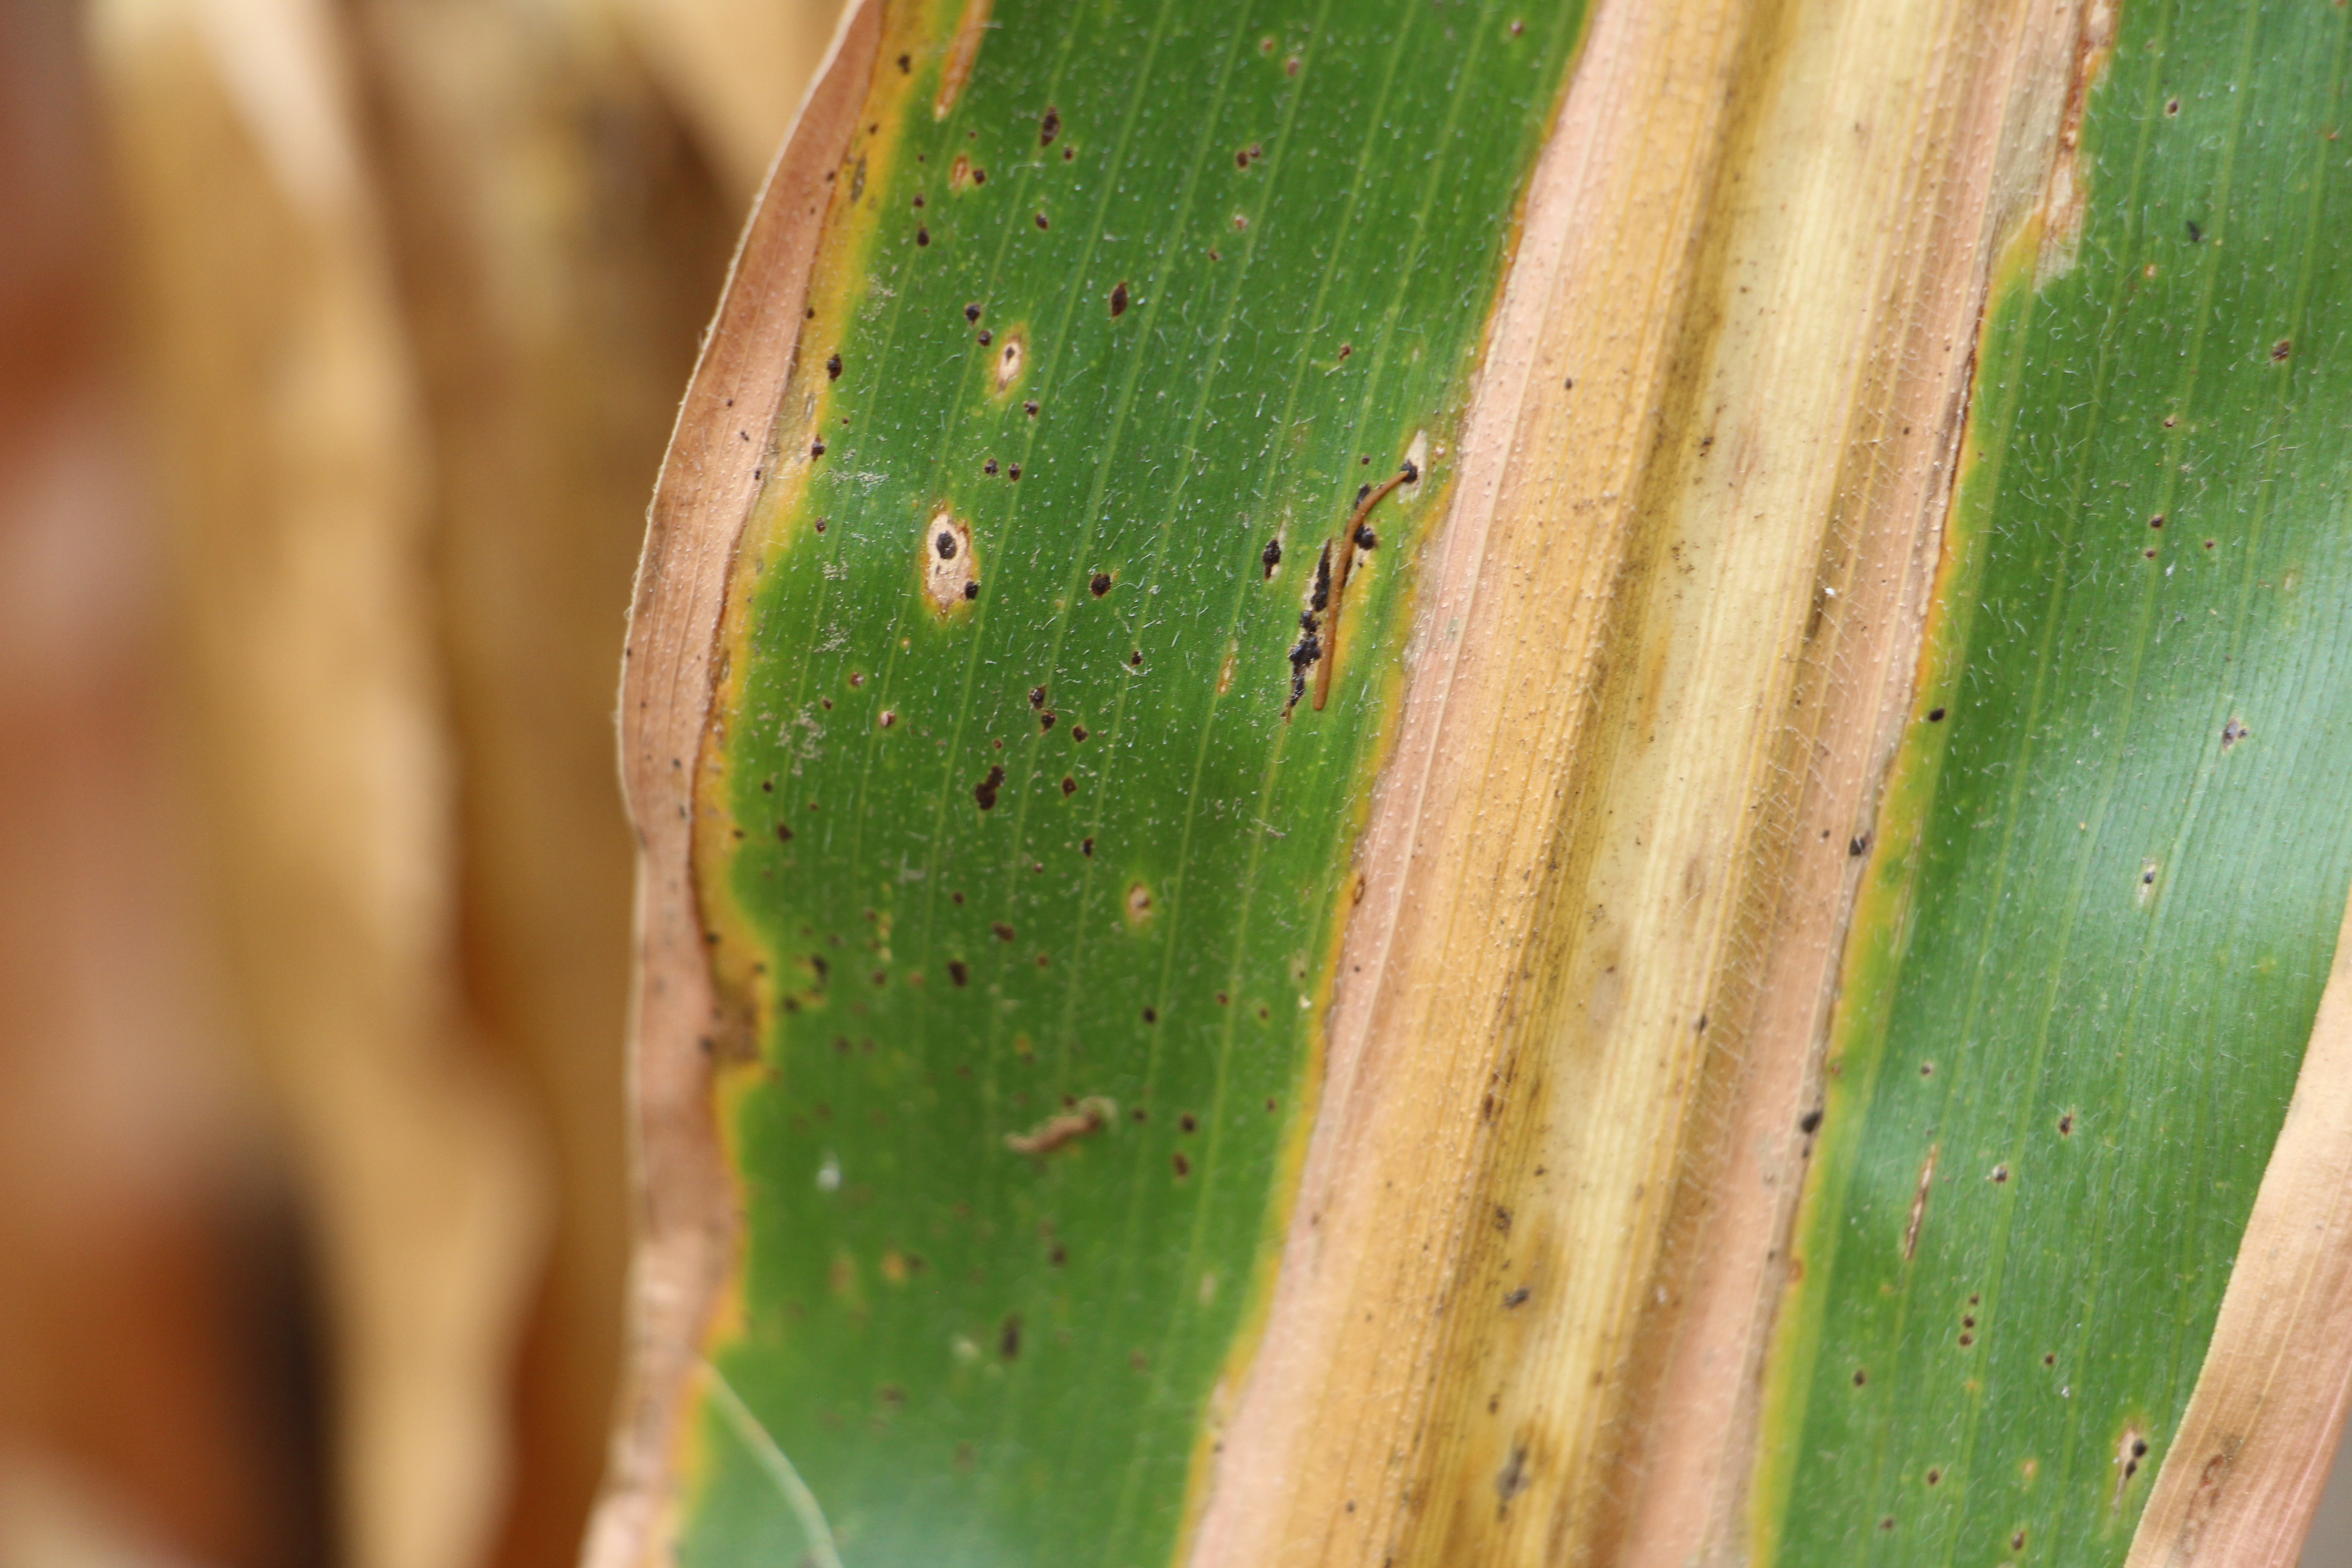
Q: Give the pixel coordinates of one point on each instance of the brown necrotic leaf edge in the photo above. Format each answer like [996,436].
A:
[709,480]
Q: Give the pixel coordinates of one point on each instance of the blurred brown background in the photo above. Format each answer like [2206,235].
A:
[338,343]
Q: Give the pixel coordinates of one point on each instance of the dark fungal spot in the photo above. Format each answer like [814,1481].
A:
[922,235]
[1183,1166]
[833,367]
[1003,932]
[1933,1476]
[1186,1123]
[1087,847]
[1152,1015]
[1077,732]
[986,337]
[1270,557]
[1810,1123]
[972,590]
[985,790]
[1030,409]
[2156,522]
[2196,234]
[1101,585]
[1069,785]
[989,467]
[945,543]
[1860,1377]
[1008,1338]
[1012,472]
[2172,107]
[2066,1125]
[905,65]
[1049,127]
[783,833]
[1935,715]
[957,972]
[816,449]
[2281,349]
[1365,538]
[972,312]
[1042,223]
[821,524]
[1045,723]
[2232,733]
[1135,659]
[1515,1298]
[1036,697]
[1859,844]
[1118,298]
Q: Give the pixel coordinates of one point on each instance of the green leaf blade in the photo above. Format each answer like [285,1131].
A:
[1260,281]
[2113,867]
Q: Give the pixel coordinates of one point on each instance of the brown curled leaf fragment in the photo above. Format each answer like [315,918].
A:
[1089,1115]
[1357,535]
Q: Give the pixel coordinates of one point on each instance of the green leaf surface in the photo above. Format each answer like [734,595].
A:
[1163,285]
[2115,852]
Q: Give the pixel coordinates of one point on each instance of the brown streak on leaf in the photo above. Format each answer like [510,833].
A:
[963,53]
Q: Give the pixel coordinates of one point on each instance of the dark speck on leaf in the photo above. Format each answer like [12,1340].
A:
[923,235]
[1935,715]
[1118,298]
[2195,233]
[957,972]
[972,590]
[1810,1123]
[1049,127]
[1036,697]
[972,312]
[1271,556]
[833,367]
[1101,585]
[945,544]
[985,790]
[1077,732]
[1003,932]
